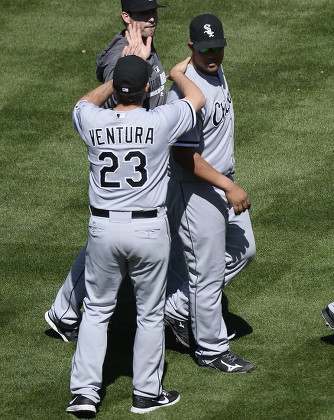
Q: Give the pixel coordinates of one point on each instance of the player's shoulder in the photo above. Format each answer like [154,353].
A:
[173,111]
[112,49]
[88,110]
[200,79]
[171,106]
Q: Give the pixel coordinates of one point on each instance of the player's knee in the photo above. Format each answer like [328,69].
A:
[253,248]
[251,251]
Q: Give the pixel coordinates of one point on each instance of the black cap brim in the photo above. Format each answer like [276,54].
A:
[144,8]
[202,45]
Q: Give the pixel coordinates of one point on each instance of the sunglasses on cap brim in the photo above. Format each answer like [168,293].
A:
[214,50]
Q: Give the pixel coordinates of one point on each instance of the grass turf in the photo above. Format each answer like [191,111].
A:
[279,66]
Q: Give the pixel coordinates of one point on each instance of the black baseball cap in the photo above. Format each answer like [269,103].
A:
[139,5]
[131,74]
[206,31]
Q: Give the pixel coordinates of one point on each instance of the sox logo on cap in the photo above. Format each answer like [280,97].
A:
[208,30]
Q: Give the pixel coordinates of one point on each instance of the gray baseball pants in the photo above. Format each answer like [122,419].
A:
[117,246]
[218,245]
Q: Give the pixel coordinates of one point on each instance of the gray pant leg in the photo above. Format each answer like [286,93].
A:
[177,303]
[99,305]
[240,244]
[150,290]
[331,307]
[66,308]
[177,269]
[240,250]
[202,228]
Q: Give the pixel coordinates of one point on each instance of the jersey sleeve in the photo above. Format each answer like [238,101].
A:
[190,138]
[83,112]
[180,117]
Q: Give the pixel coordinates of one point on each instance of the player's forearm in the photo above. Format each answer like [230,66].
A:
[194,163]
[99,95]
[205,171]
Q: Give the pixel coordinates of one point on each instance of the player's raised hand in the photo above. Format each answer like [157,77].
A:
[238,198]
[135,40]
[182,67]
[131,50]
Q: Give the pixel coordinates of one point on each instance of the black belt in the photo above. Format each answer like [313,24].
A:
[134,214]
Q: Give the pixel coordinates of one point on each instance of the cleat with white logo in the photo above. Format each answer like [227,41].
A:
[66,334]
[179,328]
[143,405]
[229,362]
[82,407]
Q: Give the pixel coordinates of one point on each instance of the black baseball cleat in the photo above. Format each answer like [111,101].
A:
[143,405]
[328,317]
[180,329]
[82,407]
[229,362]
[66,334]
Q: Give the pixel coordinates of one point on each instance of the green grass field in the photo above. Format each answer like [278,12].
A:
[279,64]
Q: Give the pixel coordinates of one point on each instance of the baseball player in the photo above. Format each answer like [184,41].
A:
[128,150]
[328,315]
[145,14]
[211,217]
[140,18]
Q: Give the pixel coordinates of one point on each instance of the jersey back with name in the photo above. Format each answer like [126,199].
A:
[128,152]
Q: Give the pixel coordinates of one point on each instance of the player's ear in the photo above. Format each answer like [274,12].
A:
[126,18]
[147,88]
[190,45]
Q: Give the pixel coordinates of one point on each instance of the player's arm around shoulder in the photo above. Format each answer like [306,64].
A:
[99,95]
[187,88]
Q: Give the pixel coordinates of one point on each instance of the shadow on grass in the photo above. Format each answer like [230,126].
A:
[235,321]
[122,329]
[51,333]
[328,339]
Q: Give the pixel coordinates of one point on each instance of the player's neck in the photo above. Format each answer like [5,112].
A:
[121,107]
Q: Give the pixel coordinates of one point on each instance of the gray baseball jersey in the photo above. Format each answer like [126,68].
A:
[128,153]
[213,135]
[217,243]
[107,60]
